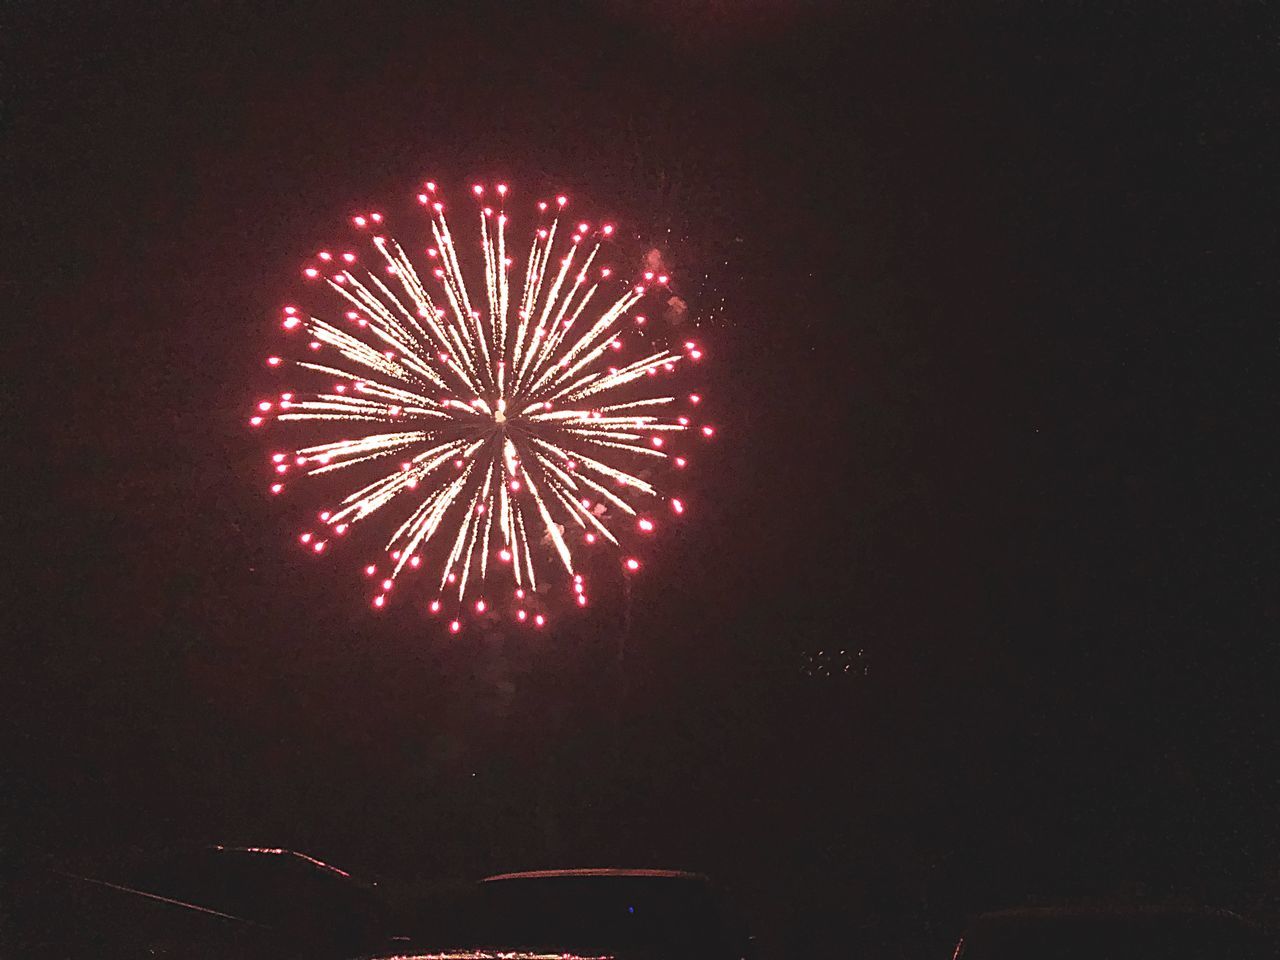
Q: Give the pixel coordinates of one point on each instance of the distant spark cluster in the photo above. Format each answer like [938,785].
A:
[497,435]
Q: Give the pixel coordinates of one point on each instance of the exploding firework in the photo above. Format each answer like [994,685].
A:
[501,435]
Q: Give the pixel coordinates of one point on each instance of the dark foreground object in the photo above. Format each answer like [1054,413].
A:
[1102,934]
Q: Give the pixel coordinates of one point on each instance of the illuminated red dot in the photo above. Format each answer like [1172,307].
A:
[455,626]
[645,525]
[277,458]
[282,468]
[273,361]
[683,421]
[370,570]
[359,221]
[582,600]
[480,606]
[515,486]
[318,546]
[431,185]
[677,506]
[708,431]
[452,578]
[539,619]
[375,217]
[277,487]
[542,205]
[656,441]
[632,564]
[264,405]
[695,354]
[662,278]
[379,600]
[349,257]
[290,310]
[519,594]
[311,272]
[640,321]
[435,606]
[648,274]
[291,322]
[583,227]
[415,561]
[325,255]
[694,398]
[522,616]
[314,345]
[590,538]
[505,555]
[502,189]
[562,200]
[607,229]
[255,421]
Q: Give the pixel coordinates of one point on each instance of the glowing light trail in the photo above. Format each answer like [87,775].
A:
[492,426]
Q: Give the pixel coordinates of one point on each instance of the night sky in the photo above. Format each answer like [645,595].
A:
[987,295]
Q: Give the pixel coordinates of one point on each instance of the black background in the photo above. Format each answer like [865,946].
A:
[993,363]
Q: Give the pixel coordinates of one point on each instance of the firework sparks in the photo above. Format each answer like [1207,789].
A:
[500,431]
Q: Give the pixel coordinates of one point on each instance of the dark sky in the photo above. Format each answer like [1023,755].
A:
[995,382]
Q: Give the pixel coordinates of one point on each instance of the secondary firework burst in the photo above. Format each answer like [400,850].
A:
[492,434]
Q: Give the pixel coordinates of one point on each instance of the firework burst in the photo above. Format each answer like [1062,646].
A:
[500,433]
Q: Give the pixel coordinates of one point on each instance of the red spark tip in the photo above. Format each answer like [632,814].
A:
[632,564]
[431,186]
[379,600]
[694,398]
[277,458]
[375,217]
[522,615]
[607,229]
[349,257]
[434,606]
[311,273]
[519,593]
[590,538]
[255,421]
[264,405]
[677,506]
[648,274]
[680,462]
[504,555]
[387,584]
[582,600]
[542,206]
[318,546]
[708,431]
[645,525]
[277,487]
[502,189]
[480,606]
[290,310]
[663,278]
[539,619]
[455,626]
[438,207]
[515,486]
[273,361]
[325,255]
[477,189]
[695,354]
[370,570]
[359,221]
